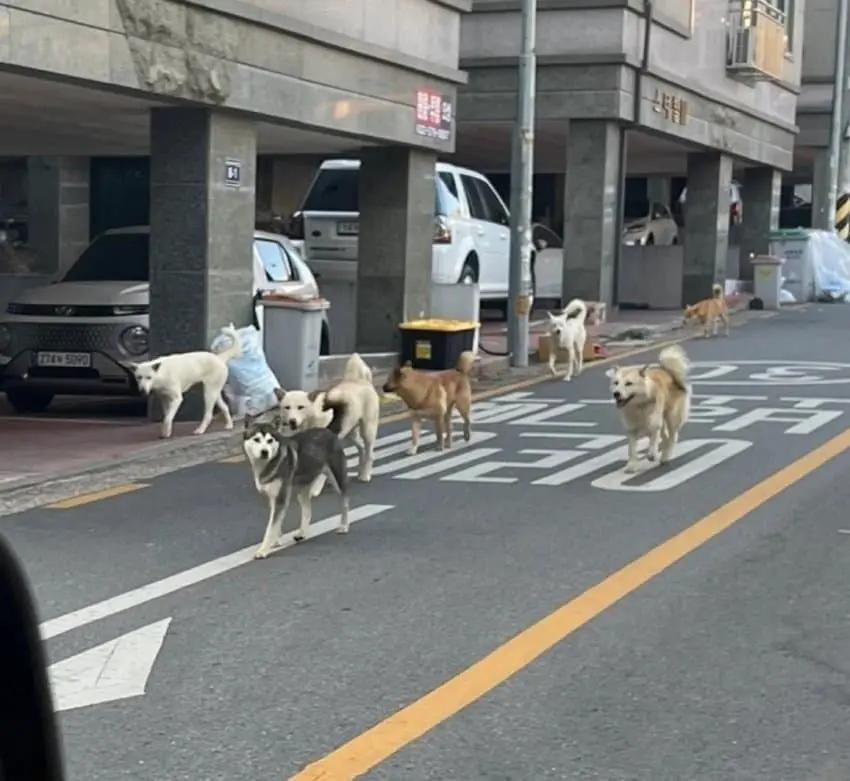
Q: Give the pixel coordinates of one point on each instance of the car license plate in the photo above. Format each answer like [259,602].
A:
[64,360]
[348,228]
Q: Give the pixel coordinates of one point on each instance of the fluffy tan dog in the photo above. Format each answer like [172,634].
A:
[654,402]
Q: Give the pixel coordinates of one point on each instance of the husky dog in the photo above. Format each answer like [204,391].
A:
[568,333]
[283,465]
[710,312]
[170,376]
[653,401]
[351,409]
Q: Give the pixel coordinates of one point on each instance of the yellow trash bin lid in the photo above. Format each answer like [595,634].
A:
[435,324]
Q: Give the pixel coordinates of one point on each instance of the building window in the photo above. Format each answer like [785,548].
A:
[780,10]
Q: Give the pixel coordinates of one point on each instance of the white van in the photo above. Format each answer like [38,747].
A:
[471,226]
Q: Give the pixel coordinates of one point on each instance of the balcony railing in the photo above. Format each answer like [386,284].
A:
[756,40]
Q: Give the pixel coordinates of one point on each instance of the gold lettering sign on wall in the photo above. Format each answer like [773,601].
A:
[672,107]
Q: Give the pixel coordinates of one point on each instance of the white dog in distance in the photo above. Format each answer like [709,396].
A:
[568,333]
[170,376]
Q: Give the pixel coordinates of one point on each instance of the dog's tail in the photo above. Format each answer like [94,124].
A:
[338,407]
[465,362]
[357,370]
[717,290]
[576,310]
[674,361]
[235,349]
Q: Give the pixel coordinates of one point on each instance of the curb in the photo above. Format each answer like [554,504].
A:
[174,455]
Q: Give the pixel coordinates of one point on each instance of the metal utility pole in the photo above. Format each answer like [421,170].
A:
[522,186]
[842,216]
[836,129]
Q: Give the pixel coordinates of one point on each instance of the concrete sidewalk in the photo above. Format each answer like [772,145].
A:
[87,445]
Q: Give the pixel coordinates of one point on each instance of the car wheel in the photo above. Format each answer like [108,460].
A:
[325,344]
[675,240]
[24,401]
[469,273]
[650,240]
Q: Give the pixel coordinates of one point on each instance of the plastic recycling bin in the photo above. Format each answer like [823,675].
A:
[436,344]
[292,339]
[767,275]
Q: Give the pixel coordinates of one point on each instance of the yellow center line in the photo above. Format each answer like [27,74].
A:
[377,744]
[96,496]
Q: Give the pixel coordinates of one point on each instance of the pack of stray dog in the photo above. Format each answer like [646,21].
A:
[295,448]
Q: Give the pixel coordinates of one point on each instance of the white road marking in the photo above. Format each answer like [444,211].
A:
[115,670]
[430,455]
[160,588]
[591,441]
[671,475]
[807,402]
[805,421]
[545,418]
[481,473]
[444,464]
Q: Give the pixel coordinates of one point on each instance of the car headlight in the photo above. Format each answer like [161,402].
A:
[130,309]
[5,337]
[134,340]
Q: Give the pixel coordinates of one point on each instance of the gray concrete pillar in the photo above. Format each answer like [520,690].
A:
[658,190]
[762,190]
[202,225]
[820,192]
[203,173]
[396,243]
[58,211]
[592,230]
[706,224]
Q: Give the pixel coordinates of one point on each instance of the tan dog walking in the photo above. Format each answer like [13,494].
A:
[710,312]
[435,396]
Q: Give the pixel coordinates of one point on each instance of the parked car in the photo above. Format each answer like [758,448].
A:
[471,240]
[646,223]
[736,204]
[72,337]
[549,265]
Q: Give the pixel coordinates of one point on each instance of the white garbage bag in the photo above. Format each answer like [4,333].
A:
[786,297]
[831,265]
[251,383]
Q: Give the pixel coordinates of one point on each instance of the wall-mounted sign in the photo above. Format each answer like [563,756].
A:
[232,173]
[434,115]
[673,107]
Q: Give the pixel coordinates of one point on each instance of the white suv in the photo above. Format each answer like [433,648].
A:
[471,226]
[73,337]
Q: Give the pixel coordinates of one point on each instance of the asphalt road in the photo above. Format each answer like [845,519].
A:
[724,655]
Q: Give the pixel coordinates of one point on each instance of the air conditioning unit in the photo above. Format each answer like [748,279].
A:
[756,42]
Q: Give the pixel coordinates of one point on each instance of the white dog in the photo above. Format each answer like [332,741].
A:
[568,333]
[170,376]
[653,401]
[351,409]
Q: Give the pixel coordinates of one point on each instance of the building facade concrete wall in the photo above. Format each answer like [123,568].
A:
[590,58]
[253,57]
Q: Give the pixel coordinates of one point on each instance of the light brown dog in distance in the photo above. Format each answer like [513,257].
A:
[434,396]
[710,312]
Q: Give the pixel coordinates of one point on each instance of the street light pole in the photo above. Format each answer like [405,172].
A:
[522,186]
[835,130]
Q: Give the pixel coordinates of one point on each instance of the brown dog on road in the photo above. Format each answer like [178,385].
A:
[435,396]
[710,312]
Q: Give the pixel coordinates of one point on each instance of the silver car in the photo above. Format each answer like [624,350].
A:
[73,337]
